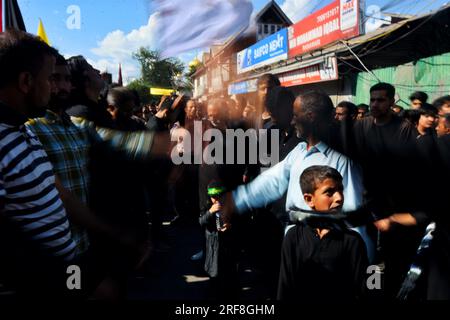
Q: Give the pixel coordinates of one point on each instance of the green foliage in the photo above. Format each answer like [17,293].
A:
[189,80]
[193,69]
[143,89]
[158,72]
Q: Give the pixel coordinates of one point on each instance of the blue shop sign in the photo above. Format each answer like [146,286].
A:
[267,51]
[242,87]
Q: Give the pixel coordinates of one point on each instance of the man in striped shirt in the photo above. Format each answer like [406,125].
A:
[34,225]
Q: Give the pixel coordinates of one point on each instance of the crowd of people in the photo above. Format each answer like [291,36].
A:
[85,170]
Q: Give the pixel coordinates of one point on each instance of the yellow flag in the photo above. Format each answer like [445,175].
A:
[41,33]
[161,91]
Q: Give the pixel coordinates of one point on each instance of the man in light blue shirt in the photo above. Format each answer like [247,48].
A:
[273,183]
[313,113]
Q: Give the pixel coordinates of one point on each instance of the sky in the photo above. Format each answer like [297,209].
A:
[109,31]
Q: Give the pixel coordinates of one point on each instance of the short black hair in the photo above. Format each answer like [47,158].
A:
[314,175]
[428,109]
[383,86]
[270,78]
[439,102]
[317,102]
[117,97]
[77,66]
[60,60]
[419,95]
[351,107]
[21,52]
[363,106]
[412,115]
[280,101]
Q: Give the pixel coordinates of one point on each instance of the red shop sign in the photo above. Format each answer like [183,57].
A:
[316,73]
[339,20]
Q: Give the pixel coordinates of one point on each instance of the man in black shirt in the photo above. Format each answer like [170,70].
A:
[395,192]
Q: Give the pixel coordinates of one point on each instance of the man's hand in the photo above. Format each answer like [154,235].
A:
[225,227]
[176,103]
[163,98]
[404,219]
[216,207]
[162,114]
[383,225]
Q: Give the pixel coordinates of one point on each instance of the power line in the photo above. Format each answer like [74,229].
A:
[389,5]
[315,7]
[403,36]
[357,58]
[376,18]
[401,24]
[350,65]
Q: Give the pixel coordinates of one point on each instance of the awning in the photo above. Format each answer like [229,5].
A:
[242,87]
[294,74]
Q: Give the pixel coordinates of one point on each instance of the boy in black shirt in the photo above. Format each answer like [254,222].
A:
[320,263]
[221,250]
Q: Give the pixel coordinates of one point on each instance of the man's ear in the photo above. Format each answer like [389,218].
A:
[309,199]
[392,102]
[25,82]
[310,116]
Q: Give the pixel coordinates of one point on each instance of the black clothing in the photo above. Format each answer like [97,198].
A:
[394,175]
[314,269]
[221,248]
[11,117]
[92,111]
[116,193]
[128,124]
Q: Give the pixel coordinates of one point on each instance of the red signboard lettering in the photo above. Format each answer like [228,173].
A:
[312,74]
[339,20]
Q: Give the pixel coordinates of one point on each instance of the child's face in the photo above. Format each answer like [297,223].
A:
[214,200]
[327,196]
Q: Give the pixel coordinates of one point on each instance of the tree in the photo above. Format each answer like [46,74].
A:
[143,90]
[193,67]
[158,72]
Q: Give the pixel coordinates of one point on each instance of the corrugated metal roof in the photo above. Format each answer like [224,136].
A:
[429,75]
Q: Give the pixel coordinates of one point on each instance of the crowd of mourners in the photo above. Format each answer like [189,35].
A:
[87,176]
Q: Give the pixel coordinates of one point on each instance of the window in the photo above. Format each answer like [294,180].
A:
[272,29]
[266,29]
[260,28]
[279,28]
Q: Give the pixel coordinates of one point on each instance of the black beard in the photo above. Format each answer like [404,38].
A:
[36,112]
[58,103]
